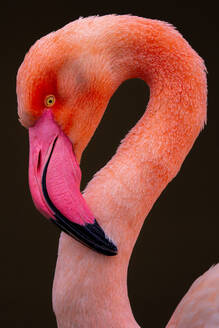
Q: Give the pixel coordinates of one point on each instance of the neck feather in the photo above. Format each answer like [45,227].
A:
[90,289]
[122,193]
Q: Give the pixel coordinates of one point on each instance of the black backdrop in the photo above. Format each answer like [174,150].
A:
[179,240]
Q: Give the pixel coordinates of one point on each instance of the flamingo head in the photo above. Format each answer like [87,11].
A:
[62,92]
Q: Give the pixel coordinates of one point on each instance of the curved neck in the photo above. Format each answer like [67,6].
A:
[122,193]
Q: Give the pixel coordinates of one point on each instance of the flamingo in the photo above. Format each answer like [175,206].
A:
[63,88]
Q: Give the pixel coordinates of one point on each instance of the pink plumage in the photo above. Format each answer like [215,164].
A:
[81,65]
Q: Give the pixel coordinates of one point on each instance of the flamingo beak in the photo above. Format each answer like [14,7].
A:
[54,179]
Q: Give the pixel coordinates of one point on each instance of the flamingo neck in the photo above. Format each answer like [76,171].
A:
[122,193]
[90,289]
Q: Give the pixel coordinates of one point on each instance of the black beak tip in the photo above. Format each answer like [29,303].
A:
[91,235]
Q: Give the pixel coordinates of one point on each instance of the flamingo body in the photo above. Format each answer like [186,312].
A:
[81,66]
[200,306]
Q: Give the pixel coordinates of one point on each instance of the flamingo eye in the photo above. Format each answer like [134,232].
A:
[49,100]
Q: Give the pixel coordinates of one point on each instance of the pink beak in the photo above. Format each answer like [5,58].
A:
[54,179]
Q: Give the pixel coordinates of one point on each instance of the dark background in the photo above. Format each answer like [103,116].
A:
[179,240]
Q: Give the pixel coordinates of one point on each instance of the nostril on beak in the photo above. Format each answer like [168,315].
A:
[39,161]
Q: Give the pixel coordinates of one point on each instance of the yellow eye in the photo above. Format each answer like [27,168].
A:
[49,100]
